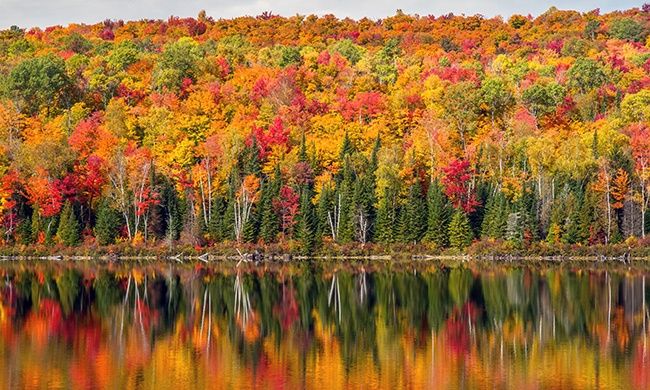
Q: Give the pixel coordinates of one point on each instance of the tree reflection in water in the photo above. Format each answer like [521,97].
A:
[383,325]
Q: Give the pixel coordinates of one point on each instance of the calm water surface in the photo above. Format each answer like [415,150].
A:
[156,325]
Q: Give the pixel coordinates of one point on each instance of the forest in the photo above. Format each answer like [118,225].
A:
[308,134]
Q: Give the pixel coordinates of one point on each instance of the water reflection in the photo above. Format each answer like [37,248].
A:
[425,326]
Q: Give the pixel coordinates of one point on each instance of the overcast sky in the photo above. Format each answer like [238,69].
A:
[43,13]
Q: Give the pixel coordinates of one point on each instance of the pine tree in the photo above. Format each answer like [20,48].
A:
[413,220]
[107,224]
[439,213]
[68,230]
[305,231]
[460,231]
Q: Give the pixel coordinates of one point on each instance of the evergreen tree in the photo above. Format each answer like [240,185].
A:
[346,148]
[324,209]
[363,209]
[345,191]
[302,155]
[251,227]
[173,211]
[270,222]
[572,232]
[107,224]
[68,230]
[413,220]
[250,159]
[217,228]
[305,231]
[439,213]
[496,216]
[460,231]
[387,218]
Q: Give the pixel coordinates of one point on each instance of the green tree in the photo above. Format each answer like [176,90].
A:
[68,231]
[496,216]
[107,224]
[543,99]
[460,231]
[413,218]
[586,74]
[40,82]
[349,50]
[627,29]
[497,97]
[178,61]
[270,222]
[306,225]
[439,213]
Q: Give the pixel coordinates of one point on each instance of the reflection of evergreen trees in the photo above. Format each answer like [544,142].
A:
[357,307]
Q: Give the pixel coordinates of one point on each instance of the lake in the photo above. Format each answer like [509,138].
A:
[323,325]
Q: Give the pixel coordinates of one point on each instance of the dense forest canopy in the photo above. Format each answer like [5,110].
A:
[308,130]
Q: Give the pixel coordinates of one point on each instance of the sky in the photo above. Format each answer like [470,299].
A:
[43,13]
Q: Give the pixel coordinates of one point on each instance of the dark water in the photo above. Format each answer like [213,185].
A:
[390,326]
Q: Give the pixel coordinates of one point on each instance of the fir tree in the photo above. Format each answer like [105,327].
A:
[324,209]
[346,148]
[439,212]
[572,231]
[250,159]
[173,213]
[413,219]
[345,191]
[68,230]
[496,216]
[305,231]
[217,227]
[460,231]
[387,218]
[363,210]
[270,222]
[107,224]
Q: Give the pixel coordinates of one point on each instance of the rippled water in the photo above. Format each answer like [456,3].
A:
[405,325]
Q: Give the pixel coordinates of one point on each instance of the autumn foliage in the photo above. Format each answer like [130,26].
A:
[306,128]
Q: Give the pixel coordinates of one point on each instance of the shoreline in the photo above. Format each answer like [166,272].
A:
[212,258]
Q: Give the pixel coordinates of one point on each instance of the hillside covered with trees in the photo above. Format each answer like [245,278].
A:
[308,133]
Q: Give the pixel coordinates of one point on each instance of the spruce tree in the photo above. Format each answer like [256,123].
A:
[572,231]
[460,231]
[107,224]
[324,209]
[173,212]
[387,218]
[216,227]
[270,222]
[413,220]
[68,231]
[496,216]
[305,231]
[345,191]
[439,213]
[363,209]
[250,159]
[346,148]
